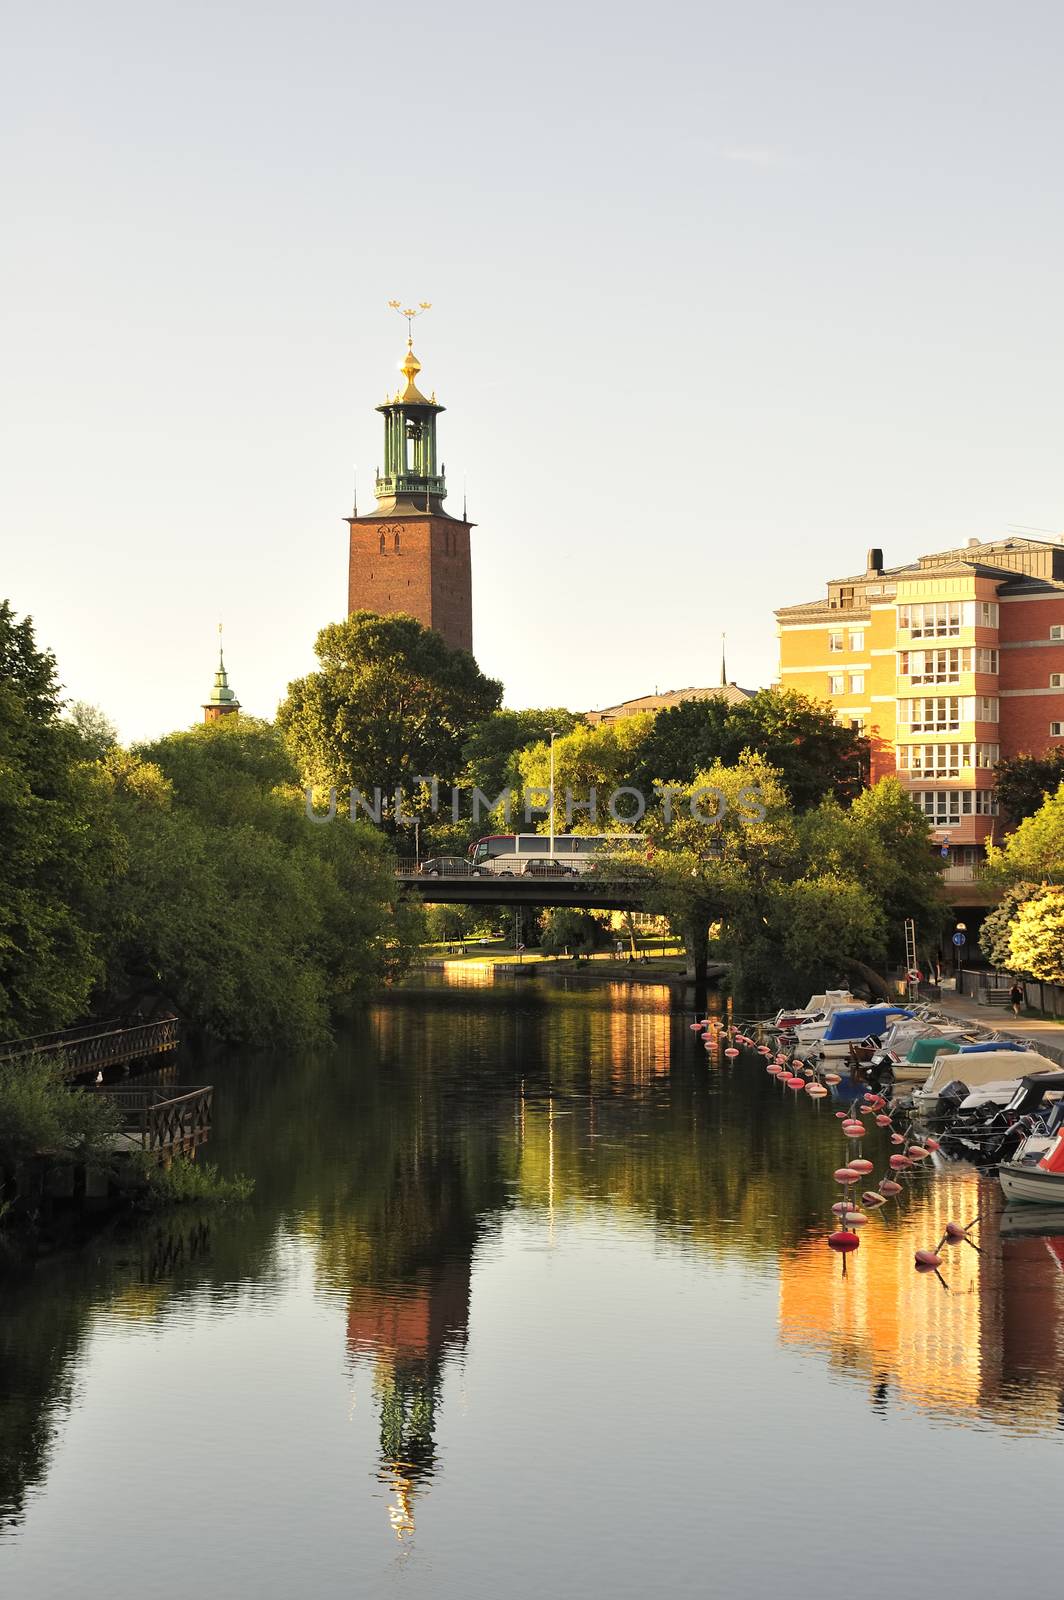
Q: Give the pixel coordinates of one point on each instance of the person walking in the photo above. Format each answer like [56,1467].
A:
[1016,999]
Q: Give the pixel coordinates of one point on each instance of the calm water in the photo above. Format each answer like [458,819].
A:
[532,1299]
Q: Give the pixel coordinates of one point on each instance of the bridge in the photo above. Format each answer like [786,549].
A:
[587,893]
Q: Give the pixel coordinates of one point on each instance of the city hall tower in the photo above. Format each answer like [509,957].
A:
[410,555]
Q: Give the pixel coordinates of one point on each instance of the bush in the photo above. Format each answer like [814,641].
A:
[41,1115]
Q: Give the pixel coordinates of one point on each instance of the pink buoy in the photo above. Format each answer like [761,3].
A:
[889,1187]
[794,1084]
[883,1121]
[816,1091]
[955,1232]
[918,1153]
[928,1258]
[855,1219]
[832,1077]
[854,1129]
[731,1053]
[844,1240]
[861,1166]
[846,1175]
[897,1138]
[932,1145]
[841,1207]
[842,1116]
[898,1162]
[871,1197]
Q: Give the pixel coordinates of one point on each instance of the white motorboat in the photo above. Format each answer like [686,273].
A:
[977,1069]
[1036,1175]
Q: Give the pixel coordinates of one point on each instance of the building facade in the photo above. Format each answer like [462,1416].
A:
[409,555]
[947,664]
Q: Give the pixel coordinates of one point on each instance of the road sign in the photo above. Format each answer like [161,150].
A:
[960,939]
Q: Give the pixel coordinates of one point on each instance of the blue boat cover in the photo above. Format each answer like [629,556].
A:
[859,1024]
[991,1044]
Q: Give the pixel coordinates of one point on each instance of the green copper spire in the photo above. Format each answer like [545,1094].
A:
[411,478]
[223,699]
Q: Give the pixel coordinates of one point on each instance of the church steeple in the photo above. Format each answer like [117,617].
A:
[223,700]
[411,479]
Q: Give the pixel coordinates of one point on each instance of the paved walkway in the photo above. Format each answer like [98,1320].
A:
[1045,1036]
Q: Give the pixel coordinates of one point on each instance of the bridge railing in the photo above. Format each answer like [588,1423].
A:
[164,1120]
[93,1046]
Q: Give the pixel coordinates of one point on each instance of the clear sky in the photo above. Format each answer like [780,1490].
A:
[722,295]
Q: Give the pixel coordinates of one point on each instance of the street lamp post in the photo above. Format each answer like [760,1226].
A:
[551,850]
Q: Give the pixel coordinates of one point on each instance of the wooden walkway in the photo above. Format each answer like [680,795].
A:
[163,1120]
[97,1045]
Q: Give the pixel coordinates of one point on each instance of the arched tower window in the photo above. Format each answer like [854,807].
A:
[382,544]
[397,540]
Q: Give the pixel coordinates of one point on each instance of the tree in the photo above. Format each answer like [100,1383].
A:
[996,931]
[573,932]
[1022,783]
[491,750]
[1035,850]
[96,733]
[52,852]
[1036,936]
[391,702]
[814,754]
[602,759]
[884,843]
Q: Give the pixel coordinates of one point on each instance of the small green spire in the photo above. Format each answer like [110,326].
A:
[223,698]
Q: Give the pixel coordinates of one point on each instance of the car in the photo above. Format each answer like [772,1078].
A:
[548,867]
[448,867]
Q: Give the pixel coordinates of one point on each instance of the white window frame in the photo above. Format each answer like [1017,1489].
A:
[837,683]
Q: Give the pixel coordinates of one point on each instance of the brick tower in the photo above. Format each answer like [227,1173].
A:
[409,554]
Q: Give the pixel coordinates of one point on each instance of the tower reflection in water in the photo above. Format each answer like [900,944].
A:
[983,1341]
[409,1331]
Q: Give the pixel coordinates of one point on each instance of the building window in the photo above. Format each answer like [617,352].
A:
[1056,680]
[988,614]
[1056,730]
[836,683]
[857,724]
[857,683]
[934,621]
[397,541]
[834,641]
[382,544]
[941,715]
[985,709]
[856,641]
[986,661]
[1056,631]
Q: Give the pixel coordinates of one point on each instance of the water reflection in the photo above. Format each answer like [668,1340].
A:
[386,1165]
[980,1341]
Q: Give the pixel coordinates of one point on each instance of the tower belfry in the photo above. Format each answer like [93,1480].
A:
[223,700]
[408,555]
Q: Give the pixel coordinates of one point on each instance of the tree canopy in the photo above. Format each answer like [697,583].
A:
[1023,782]
[52,853]
[390,702]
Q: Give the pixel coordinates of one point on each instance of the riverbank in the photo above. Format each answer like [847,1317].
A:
[1040,1033]
[603,964]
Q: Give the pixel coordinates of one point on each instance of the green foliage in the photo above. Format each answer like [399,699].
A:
[813,753]
[93,729]
[1035,851]
[1022,783]
[1036,936]
[389,703]
[255,920]
[602,758]
[40,1114]
[572,932]
[997,925]
[493,746]
[55,850]
[186,1182]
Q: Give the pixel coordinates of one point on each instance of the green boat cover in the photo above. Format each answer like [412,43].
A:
[924,1051]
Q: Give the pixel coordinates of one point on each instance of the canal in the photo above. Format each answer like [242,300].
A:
[532,1299]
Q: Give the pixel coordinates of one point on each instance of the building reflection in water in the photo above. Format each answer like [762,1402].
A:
[410,1331]
[984,1340]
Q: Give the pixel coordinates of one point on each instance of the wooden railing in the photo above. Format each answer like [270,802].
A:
[96,1045]
[170,1120]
